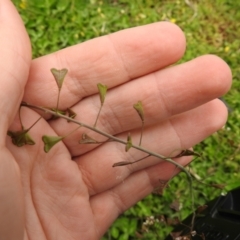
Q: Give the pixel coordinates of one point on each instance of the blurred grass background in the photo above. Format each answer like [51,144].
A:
[210,26]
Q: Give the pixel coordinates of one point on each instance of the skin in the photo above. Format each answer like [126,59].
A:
[73,192]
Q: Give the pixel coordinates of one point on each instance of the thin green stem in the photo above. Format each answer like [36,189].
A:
[129,163]
[95,124]
[34,123]
[71,132]
[140,142]
[20,119]
[142,158]
[58,99]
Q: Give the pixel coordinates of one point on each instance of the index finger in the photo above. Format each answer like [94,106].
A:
[113,60]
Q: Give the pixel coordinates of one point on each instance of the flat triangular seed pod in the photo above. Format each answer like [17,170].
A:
[187,152]
[71,113]
[21,138]
[139,108]
[123,163]
[129,143]
[50,141]
[102,91]
[28,139]
[59,76]
[87,140]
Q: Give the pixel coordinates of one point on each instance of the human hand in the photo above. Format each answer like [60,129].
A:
[73,191]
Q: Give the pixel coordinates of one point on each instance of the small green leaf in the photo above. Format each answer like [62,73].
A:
[87,140]
[129,142]
[102,91]
[50,141]
[59,76]
[139,108]
[71,113]
[20,138]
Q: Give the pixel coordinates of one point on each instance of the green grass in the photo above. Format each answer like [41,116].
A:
[210,27]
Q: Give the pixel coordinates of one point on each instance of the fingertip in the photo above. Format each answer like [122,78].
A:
[221,116]
[211,117]
[221,72]
[199,123]
[168,39]
[154,45]
[175,37]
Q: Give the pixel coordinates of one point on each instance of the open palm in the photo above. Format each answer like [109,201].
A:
[73,192]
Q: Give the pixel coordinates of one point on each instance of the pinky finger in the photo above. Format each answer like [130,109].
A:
[133,189]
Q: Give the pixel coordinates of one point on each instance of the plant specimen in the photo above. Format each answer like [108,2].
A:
[22,137]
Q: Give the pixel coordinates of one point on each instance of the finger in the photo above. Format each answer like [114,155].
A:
[164,94]
[14,62]
[180,132]
[14,66]
[141,183]
[114,59]
[129,192]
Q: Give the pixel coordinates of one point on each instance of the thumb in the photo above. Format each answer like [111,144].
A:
[14,67]
[14,62]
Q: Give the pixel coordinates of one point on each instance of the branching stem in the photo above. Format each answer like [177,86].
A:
[109,136]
